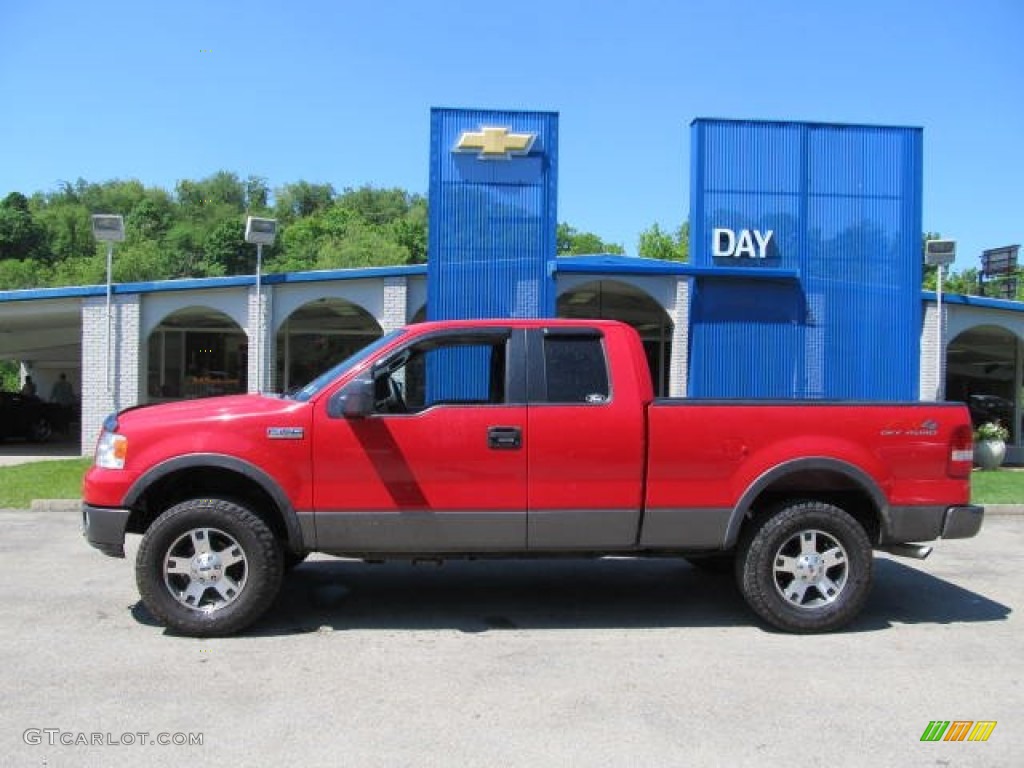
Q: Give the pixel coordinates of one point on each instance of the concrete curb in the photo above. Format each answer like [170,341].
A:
[1004,509]
[73,505]
[56,505]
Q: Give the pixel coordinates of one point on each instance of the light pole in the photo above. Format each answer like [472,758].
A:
[261,232]
[939,254]
[109,229]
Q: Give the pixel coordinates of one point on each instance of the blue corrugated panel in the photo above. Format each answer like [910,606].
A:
[492,215]
[843,205]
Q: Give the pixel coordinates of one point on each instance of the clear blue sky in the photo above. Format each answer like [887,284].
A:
[340,92]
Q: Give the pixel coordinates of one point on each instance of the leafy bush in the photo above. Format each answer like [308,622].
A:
[991,430]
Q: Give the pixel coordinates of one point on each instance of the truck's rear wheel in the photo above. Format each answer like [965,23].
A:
[806,568]
[208,567]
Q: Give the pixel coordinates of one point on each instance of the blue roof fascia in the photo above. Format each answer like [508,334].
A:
[744,273]
[362,273]
[612,264]
[185,284]
[982,302]
[71,292]
[210,283]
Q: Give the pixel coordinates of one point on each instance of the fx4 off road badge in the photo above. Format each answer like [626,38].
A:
[927,428]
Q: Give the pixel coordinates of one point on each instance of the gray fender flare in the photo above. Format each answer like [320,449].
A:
[233,464]
[861,478]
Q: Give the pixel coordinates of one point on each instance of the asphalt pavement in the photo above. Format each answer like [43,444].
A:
[549,662]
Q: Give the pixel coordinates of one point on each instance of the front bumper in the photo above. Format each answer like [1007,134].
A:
[904,524]
[104,527]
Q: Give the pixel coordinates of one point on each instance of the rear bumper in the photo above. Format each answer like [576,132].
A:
[962,522]
[905,524]
[104,527]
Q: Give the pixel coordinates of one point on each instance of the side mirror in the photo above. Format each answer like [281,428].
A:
[354,401]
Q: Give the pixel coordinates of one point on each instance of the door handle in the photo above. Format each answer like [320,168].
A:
[505,438]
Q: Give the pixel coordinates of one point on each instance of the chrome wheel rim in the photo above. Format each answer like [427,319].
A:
[205,569]
[811,569]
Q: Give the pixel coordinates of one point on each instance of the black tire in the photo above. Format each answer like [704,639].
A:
[40,430]
[718,563]
[208,567]
[806,568]
[290,560]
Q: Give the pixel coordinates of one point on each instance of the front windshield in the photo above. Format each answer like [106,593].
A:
[347,364]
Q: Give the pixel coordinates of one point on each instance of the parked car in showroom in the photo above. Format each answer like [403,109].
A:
[28,417]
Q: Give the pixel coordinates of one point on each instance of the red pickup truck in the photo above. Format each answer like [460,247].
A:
[518,438]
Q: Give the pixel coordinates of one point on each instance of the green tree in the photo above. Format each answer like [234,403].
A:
[21,236]
[257,195]
[114,196]
[362,246]
[82,270]
[184,249]
[965,283]
[148,220]
[22,273]
[569,241]
[377,207]
[301,199]
[197,230]
[68,229]
[217,196]
[141,261]
[410,232]
[226,251]
[224,188]
[8,376]
[655,243]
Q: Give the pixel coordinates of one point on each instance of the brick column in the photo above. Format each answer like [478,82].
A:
[267,355]
[394,306]
[110,374]
[933,373]
[680,363]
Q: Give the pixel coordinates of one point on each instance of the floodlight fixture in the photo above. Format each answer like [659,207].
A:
[108,228]
[939,253]
[260,231]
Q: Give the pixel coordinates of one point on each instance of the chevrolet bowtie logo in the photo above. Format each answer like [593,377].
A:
[495,143]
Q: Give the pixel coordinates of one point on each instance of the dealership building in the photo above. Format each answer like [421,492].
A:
[804,282]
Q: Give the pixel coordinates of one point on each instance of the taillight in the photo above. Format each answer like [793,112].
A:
[961,452]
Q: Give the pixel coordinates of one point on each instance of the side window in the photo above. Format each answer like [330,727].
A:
[576,369]
[450,371]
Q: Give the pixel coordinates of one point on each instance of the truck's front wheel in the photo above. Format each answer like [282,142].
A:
[806,568]
[208,567]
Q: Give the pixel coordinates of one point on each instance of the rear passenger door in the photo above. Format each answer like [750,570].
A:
[585,454]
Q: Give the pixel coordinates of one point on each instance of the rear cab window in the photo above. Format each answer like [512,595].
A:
[575,368]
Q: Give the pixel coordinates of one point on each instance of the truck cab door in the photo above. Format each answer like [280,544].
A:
[436,460]
[586,448]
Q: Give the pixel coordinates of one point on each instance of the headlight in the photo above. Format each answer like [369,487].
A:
[111,450]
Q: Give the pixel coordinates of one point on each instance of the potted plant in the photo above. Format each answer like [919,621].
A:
[990,444]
